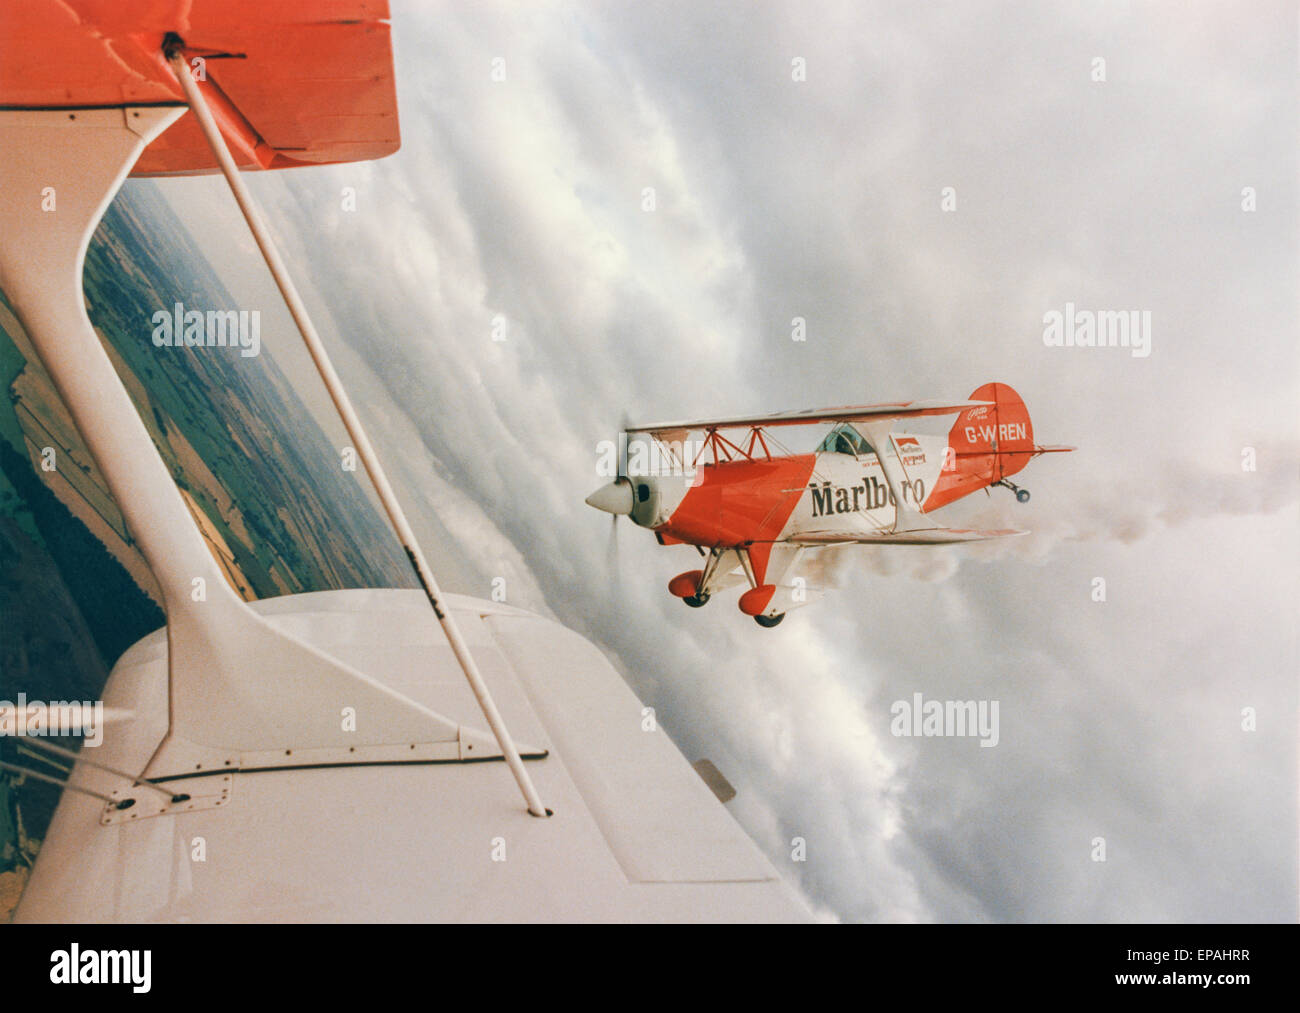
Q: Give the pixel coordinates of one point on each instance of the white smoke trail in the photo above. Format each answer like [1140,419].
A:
[1123,507]
[831,567]
[1130,505]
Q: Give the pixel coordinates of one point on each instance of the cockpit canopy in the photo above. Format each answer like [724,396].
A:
[844,439]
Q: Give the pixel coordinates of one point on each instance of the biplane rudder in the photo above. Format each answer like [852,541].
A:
[1002,429]
[986,444]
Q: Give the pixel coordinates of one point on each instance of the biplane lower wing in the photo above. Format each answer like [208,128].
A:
[925,536]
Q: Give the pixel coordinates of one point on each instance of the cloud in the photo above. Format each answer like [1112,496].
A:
[523,201]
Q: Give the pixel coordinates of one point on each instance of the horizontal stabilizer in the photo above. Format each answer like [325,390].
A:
[925,536]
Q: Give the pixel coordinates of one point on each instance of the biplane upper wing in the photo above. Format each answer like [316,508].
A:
[810,416]
[925,536]
[303,83]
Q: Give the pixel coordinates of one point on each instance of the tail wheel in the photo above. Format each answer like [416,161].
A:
[1022,495]
[767,622]
[696,600]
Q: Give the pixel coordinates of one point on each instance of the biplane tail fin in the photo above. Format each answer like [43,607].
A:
[1002,428]
[986,444]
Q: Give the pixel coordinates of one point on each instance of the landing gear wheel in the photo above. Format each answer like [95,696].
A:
[1022,495]
[767,622]
[696,600]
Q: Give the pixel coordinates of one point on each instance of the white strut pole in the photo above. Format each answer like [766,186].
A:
[353,424]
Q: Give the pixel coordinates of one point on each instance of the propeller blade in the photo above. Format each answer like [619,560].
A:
[622,446]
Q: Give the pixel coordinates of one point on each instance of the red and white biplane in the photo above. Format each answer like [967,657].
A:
[753,513]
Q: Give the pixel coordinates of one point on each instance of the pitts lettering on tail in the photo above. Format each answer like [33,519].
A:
[869,494]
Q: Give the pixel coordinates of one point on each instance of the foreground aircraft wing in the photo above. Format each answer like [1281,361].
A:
[925,536]
[303,83]
[809,416]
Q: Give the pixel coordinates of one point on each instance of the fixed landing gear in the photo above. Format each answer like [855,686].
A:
[1022,495]
[690,586]
[767,622]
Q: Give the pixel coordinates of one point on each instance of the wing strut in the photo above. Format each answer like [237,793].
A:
[907,517]
[353,424]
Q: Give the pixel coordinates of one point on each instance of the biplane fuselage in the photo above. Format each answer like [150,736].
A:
[754,513]
[740,502]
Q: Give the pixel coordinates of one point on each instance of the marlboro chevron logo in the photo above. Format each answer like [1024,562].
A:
[910,450]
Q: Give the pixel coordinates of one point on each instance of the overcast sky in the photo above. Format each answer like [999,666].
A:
[820,198]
